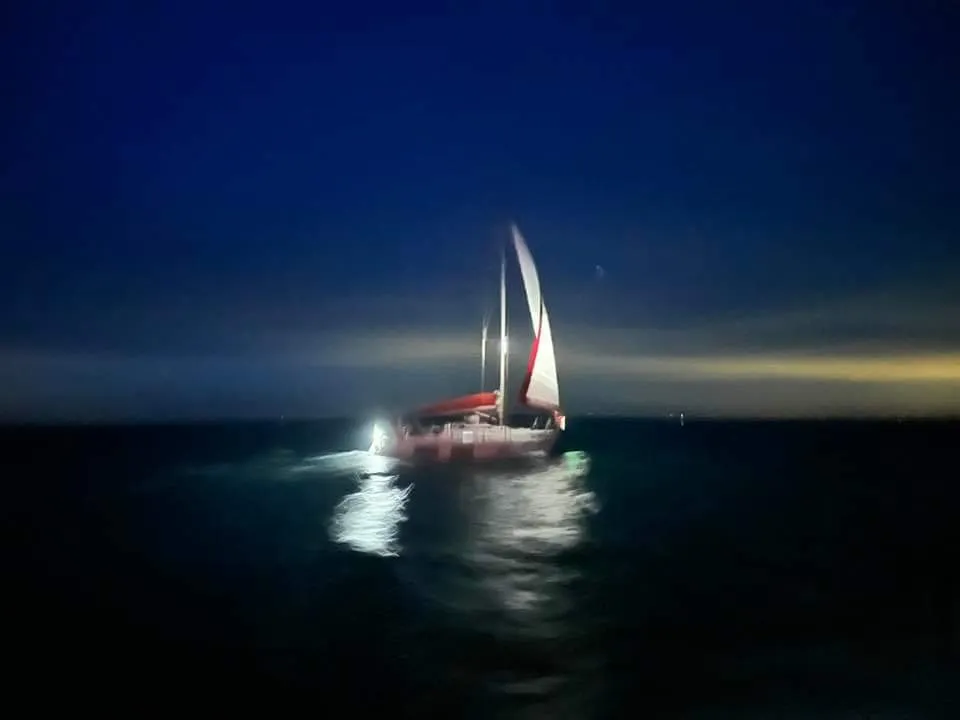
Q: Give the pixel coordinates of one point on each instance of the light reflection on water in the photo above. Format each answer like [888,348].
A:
[522,524]
[510,582]
[490,565]
[368,520]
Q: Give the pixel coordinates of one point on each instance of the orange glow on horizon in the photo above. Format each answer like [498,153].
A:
[882,369]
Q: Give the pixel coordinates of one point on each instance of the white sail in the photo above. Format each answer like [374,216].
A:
[540,386]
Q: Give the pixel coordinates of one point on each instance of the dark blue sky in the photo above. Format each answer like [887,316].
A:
[260,208]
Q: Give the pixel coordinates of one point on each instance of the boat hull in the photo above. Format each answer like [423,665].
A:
[475,444]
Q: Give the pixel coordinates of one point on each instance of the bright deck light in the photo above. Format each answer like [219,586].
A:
[378,439]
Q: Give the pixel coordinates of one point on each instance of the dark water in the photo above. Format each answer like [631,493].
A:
[714,570]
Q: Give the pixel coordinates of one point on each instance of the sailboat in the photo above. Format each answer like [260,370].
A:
[475,427]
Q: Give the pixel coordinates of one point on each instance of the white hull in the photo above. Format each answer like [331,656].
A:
[468,443]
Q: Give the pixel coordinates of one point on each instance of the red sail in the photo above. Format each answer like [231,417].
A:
[460,405]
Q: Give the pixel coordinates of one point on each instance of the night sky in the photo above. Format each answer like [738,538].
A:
[246,209]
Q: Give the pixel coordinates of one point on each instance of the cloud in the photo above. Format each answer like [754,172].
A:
[875,339]
[859,356]
[865,355]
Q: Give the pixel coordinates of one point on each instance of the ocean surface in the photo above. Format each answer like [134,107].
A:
[780,569]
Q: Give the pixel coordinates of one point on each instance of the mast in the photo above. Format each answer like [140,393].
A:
[503,335]
[483,353]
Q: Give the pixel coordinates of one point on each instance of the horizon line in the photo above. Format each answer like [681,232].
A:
[9,423]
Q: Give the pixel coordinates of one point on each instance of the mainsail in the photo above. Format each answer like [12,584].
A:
[540,387]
